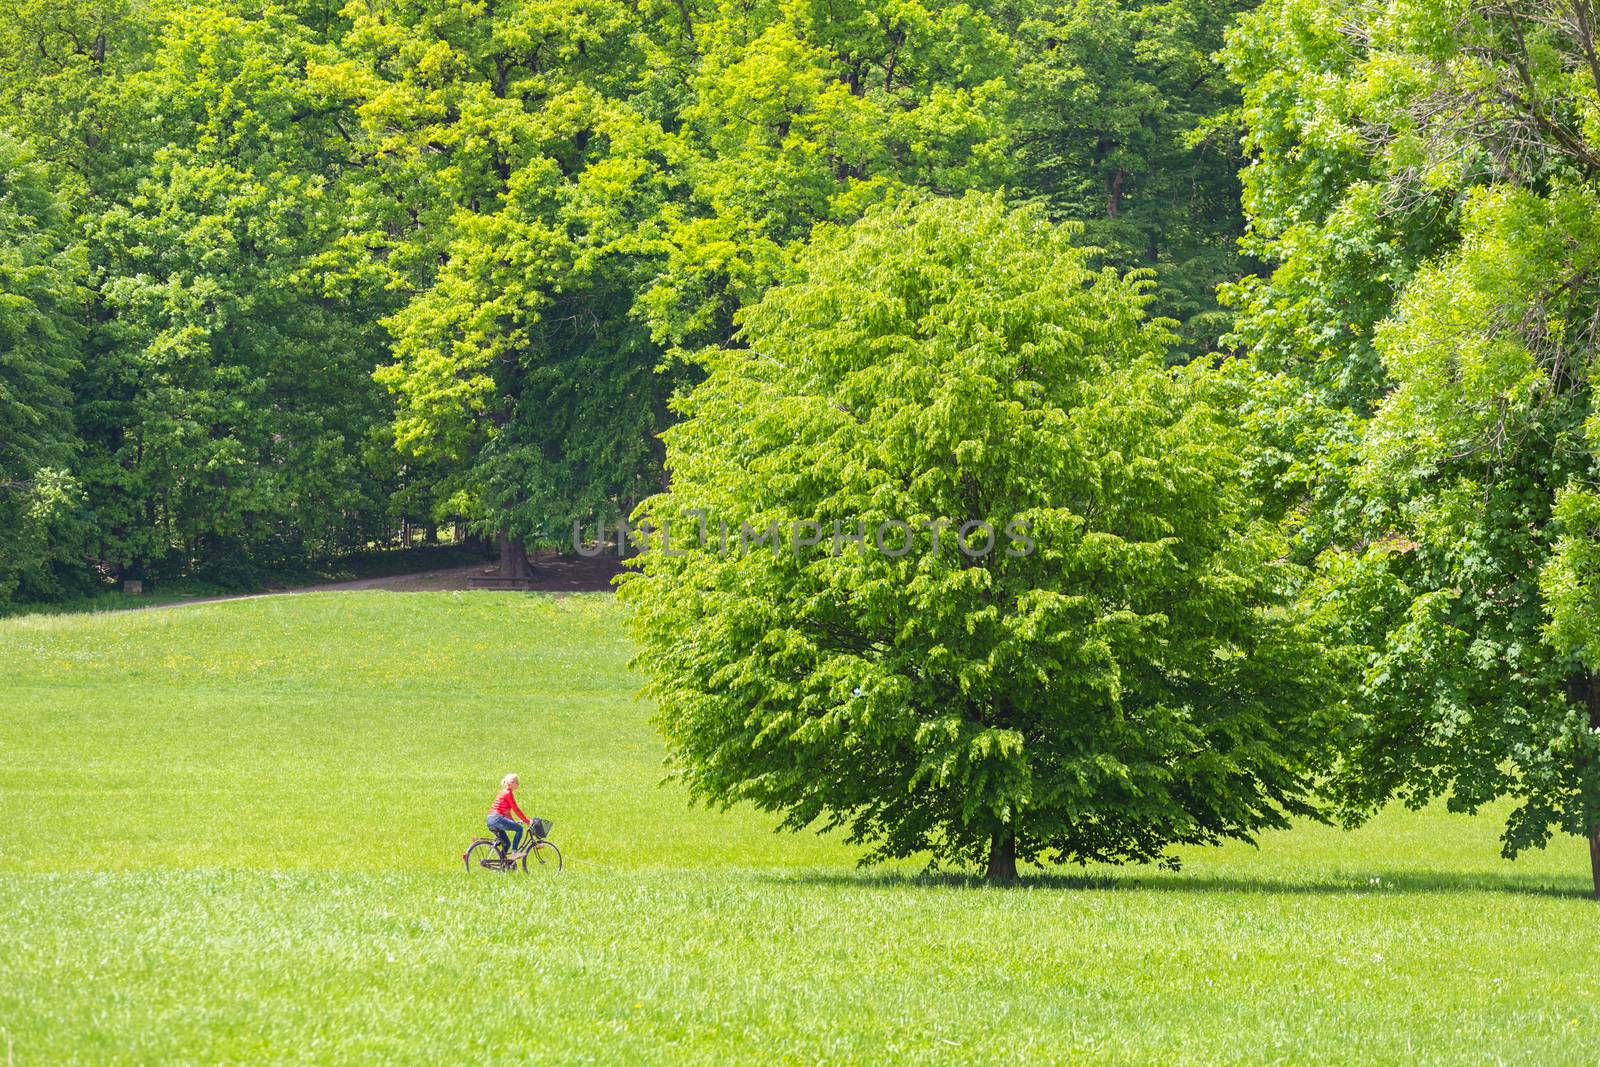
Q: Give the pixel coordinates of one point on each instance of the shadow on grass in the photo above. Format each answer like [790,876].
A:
[1382,883]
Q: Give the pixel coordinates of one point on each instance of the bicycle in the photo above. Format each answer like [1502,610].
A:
[539,855]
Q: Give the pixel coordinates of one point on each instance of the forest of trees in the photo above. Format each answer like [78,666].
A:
[278,279]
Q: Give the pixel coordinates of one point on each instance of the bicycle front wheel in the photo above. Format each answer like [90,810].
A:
[542,858]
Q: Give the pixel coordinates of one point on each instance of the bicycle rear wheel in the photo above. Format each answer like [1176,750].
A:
[483,856]
[542,858]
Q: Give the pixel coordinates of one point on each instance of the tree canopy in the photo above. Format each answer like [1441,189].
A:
[1123,670]
[1426,182]
[410,261]
[41,302]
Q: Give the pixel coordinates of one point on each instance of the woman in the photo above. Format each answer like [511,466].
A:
[500,811]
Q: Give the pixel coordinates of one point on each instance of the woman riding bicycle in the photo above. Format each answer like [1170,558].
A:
[499,819]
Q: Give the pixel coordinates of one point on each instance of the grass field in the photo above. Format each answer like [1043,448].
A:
[233,832]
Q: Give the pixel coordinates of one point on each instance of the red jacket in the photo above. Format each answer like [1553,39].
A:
[506,803]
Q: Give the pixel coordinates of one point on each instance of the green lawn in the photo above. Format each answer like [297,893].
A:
[233,832]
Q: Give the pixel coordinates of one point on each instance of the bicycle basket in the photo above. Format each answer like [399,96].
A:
[540,828]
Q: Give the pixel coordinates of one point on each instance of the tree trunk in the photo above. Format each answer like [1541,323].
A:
[513,557]
[1582,688]
[1002,856]
[1114,192]
[1594,858]
[625,545]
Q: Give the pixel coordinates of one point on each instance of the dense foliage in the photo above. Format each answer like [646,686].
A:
[1123,125]
[41,302]
[1108,666]
[1427,184]
[433,261]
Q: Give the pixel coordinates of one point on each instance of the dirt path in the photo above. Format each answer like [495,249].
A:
[551,574]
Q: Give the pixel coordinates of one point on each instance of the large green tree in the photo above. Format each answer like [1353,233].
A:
[1426,180]
[508,192]
[1119,672]
[224,396]
[226,400]
[42,305]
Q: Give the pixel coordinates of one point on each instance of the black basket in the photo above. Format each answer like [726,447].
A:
[539,828]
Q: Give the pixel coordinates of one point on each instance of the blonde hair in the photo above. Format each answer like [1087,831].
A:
[508,779]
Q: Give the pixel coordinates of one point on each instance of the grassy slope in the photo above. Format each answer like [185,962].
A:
[233,831]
